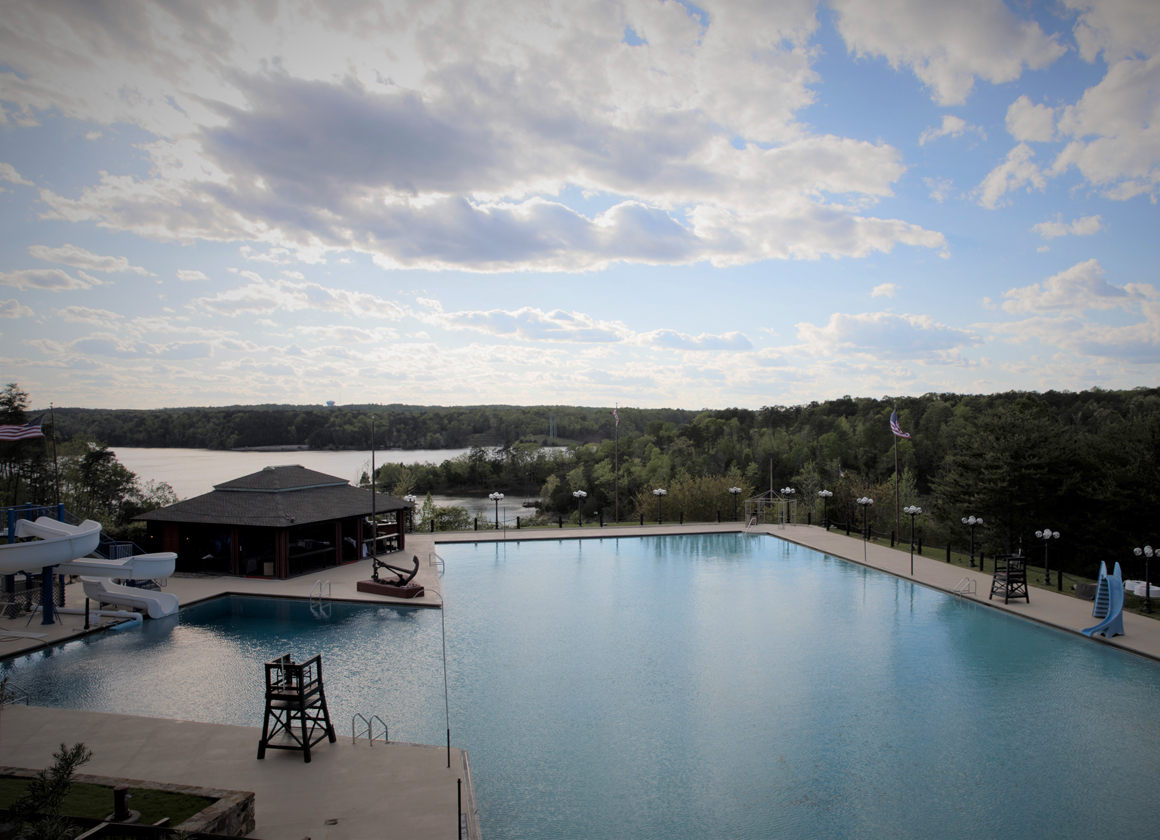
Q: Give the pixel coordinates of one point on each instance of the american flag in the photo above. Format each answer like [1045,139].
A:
[617,417]
[18,432]
[894,427]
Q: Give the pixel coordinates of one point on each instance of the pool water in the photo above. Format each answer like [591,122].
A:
[719,686]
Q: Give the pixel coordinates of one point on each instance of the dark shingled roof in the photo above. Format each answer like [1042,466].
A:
[276,497]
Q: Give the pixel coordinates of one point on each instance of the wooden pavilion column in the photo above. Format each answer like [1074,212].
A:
[235,552]
[401,529]
[170,539]
[338,542]
[282,553]
[359,540]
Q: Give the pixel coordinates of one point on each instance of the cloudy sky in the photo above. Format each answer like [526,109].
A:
[643,202]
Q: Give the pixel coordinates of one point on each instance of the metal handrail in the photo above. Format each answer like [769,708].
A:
[433,558]
[13,693]
[966,586]
[370,728]
[323,588]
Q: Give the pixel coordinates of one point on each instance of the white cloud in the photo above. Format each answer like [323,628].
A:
[47,279]
[268,295]
[939,188]
[952,126]
[1030,122]
[946,43]
[1084,226]
[1117,28]
[14,309]
[78,257]
[884,335]
[506,112]
[189,275]
[87,315]
[884,290]
[1076,289]
[1015,172]
[1115,128]
[673,340]
[531,324]
[8,173]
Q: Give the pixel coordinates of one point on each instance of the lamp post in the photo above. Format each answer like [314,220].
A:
[495,497]
[971,522]
[660,493]
[912,511]
[1147,553]
[412,498]
[579,496]
[825,494]
[788,493]
[864,503]
[735,491]
[1047,535]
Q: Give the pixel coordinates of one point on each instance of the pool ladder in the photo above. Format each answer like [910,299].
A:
[369,728]
[966,586]
[318,605]
[434,559]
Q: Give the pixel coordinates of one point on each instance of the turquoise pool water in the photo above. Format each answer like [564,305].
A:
[690,687]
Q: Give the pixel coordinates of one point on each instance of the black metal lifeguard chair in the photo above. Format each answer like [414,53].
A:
[1010,579]
[296,715]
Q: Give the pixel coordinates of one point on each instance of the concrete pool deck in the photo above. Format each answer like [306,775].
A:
[396,791]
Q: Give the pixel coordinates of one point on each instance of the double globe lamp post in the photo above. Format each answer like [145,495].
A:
[1047,535]
[912,511]
[864,503]
[972,522]
[579,496]
[660,493]
[495,497]
[1147,553]
[826,496]
[788,493]
[736,491]
[412,498]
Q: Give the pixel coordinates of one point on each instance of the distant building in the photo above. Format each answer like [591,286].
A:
[279,522]
[330,403]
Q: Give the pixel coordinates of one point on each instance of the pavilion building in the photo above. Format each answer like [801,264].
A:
[279,522]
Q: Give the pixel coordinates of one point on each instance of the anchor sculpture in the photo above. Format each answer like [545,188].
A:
[400,586]
[403,576]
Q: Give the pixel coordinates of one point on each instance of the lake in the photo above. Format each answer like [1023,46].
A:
[192,472]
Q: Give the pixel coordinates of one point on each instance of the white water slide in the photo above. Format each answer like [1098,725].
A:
[67,548]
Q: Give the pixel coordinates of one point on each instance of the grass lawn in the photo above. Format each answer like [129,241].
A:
[96,801]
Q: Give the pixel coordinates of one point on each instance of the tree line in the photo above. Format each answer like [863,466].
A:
[1084,463]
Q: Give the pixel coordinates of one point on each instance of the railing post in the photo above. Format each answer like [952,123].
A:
[920,546]
[642,520]
[892,538]
[432,525]
[682,517]
[561,518]
[60,512]
[11,524]
[809,517]
[517,523]
[601,512]
[477,523]
[948,552]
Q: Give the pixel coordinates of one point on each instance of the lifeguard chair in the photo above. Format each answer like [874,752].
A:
[296,715]
[1010,578]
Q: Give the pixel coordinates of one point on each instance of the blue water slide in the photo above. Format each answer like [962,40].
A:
[1111,588]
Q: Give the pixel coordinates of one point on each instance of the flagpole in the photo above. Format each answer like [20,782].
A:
[616,462]
[897,531]
[55,468]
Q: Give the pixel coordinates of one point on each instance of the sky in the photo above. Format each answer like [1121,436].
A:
[587,203]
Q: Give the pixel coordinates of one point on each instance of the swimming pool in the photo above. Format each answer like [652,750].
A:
[695,686]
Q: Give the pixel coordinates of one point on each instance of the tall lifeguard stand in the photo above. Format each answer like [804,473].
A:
[296,715]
